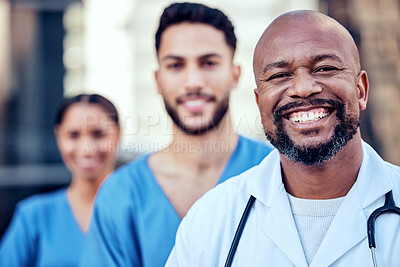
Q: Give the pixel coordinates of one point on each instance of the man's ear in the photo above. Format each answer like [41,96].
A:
[256,97]
[237,71]
[363,86]
[156,77]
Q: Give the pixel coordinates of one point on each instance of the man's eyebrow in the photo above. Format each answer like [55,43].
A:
[278,64]
[180,58]
[327,56]
[172,57]
[210,55]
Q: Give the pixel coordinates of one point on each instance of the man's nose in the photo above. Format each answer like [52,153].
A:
[304,85]
[194,79]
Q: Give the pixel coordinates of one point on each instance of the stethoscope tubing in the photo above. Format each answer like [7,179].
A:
[239,231]
[388,207]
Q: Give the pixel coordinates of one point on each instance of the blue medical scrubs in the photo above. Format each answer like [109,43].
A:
[43,232]
[134,223]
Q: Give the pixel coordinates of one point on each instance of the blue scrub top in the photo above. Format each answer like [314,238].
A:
[134,223]
[43,232]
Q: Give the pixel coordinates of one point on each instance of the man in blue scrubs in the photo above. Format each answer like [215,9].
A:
[139,208]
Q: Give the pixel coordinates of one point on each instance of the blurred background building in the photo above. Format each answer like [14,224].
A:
[52,48]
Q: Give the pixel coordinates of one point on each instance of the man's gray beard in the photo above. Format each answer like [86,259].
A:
[344,132]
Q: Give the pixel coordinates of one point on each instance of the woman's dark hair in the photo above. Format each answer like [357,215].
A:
[196,13]
[91,99]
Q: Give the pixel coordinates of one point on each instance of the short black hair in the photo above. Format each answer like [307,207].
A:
[106,104]
[196,13]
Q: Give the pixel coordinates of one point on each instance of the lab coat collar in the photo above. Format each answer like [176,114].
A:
[277,223]
[374,179]
[373,182]
[275,217]
[267,181]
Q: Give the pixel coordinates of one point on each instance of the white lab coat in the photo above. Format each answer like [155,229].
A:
[270,237]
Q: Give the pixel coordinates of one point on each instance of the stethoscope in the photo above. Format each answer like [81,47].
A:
[388,207]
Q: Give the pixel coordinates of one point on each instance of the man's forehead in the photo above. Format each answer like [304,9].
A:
[309,24]
[301,43]
[305,32]
[185,33]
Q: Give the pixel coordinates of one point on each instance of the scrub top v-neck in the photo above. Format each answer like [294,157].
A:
[134,223]
[43,232]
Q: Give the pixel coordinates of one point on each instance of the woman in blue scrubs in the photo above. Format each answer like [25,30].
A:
[49,229]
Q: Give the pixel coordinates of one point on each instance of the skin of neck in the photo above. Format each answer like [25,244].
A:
[331,179]
[84,190]
[202,150]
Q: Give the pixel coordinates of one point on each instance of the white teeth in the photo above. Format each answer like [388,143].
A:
[309,117]
[192,103]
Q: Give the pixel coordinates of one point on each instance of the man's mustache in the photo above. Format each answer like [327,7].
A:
[206,97]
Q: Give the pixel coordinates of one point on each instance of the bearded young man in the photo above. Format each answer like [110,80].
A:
[139,208]
[309,200]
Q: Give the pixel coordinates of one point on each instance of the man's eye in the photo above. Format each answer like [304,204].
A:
[209,63]
[326,69]
[279,76]
[174,66]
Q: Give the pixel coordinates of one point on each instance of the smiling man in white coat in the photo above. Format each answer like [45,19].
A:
[310,199]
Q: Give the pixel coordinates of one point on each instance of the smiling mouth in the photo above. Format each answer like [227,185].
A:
[194,99]
[309,116]
[88,163]
[195,105]
[195,102]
